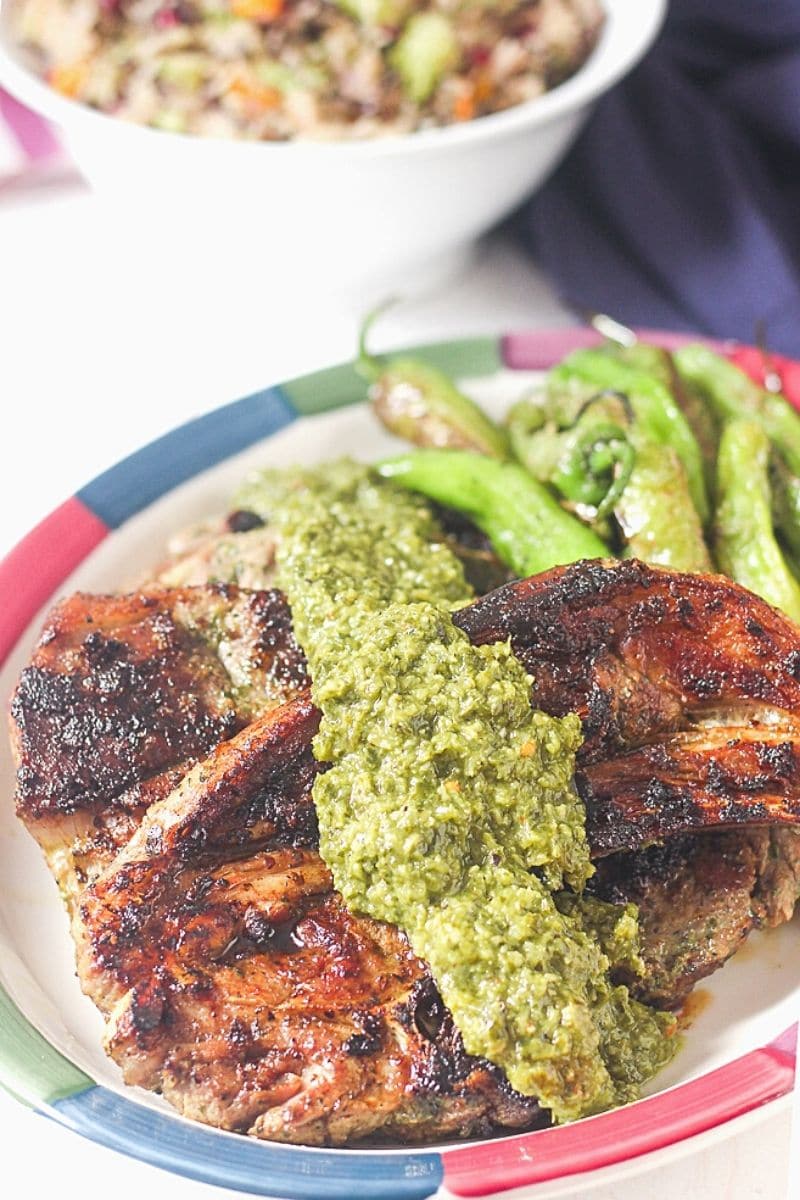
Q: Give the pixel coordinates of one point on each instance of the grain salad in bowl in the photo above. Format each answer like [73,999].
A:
[274,70]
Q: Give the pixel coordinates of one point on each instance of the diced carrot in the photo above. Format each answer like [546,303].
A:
[483,87]
[464,106]
[257,95]
[257,10]
[68,80]
[471,96]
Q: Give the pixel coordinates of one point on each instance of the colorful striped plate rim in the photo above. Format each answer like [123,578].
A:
[40,1076]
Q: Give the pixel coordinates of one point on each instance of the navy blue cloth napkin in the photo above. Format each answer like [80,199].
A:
[679,206]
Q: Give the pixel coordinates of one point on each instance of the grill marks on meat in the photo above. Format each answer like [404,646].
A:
[155,767]
[715,777]
[639,650]
[123,694]
[235,981]
[688,687]
[116,691]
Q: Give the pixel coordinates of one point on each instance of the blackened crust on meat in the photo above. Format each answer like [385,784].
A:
[122,687]
[713,777]
[236,981]
[124,694]
[120,713]
[281,661]
[636,649]
[232,976]
[253,795]
[687,687]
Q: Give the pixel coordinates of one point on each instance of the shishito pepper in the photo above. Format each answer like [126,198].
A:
[590,462]
[731,394]
[528,528]
[659,363]
[605,458]
[655,409]
[421,404]
[656,515]
[745,543]
[786,506]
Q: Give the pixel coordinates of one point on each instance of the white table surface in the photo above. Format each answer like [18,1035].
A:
[100,351]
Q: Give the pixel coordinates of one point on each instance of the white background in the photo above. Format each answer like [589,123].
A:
[102,349]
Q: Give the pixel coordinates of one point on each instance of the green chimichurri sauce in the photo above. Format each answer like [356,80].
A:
[449,808]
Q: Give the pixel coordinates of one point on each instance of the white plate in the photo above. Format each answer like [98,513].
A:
[734,1058]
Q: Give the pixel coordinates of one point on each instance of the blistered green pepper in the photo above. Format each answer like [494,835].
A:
[659,363]
[655,409]
[730,393]
[786,507]
[643,356]
[589,463]
[648,493]
[417,402]
[745,543]
[526,525]
[656,514]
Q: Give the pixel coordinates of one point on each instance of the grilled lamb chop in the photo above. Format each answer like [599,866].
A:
[123,694]
[218,912]
[236,982]
[688,687]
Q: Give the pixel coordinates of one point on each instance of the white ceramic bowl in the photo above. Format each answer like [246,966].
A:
[392,211]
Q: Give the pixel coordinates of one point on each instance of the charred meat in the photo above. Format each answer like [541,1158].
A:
[688,687]
[165,766]
[699,897]
[235,981]
[123,694]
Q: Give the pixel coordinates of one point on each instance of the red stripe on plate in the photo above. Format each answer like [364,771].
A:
[541,349]
[759,364]
[626,1133]
[40,562]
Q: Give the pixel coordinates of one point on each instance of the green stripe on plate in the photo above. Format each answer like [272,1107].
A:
[336,387]
[30,1069]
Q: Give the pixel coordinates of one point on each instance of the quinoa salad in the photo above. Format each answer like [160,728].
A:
[274,70]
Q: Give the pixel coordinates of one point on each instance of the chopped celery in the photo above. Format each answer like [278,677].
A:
[307,77]
[185,71]
[426,49]
[378,12]
[170,121]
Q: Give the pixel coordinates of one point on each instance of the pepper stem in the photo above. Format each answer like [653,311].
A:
[367,365]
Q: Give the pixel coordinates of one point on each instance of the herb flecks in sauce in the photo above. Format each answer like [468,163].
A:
[449,808]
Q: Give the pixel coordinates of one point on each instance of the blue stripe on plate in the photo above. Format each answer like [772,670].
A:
[141,478]
[245,1164]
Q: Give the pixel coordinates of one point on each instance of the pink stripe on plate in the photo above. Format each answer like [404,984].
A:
[537,350]
[626,1133]
[40,562]
[33,135]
